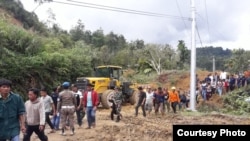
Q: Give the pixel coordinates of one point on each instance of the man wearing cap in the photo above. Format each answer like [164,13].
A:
[67,106]
[174,98]
[12,112]
[141,102]
[90,103]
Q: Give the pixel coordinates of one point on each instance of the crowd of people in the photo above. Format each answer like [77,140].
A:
[66,102]
[160,100]
[57,110]
[220,83]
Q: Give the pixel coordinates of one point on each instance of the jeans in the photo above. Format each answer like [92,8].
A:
[219,91]
[56,121]
[204,94]
[168,105]
[90,116]
[142,108]
[80,115]
[174,104]
[15,138]
[47,119]
[34,128]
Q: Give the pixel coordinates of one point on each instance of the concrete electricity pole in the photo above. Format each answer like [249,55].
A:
[213,64]
[193,62]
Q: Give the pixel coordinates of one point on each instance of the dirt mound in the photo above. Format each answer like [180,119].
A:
[215,103]
[7,16]
[179,79]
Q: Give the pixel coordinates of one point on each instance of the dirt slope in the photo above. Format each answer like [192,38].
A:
[7,16]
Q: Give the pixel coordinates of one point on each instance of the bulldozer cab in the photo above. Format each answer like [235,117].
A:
[104,77]
[113,72]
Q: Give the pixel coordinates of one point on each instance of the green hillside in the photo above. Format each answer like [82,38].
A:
[34,54]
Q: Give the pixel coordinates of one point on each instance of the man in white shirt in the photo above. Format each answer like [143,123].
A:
[48,106]
[223,75]
[149,100]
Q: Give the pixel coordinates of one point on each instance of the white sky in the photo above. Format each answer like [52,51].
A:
[223,23]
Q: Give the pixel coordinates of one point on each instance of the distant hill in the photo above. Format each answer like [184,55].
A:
[205,55]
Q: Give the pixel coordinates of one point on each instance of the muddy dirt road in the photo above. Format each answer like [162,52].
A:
[157,128]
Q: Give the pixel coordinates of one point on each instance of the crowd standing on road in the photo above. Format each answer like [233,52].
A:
[220,84]
[66,101]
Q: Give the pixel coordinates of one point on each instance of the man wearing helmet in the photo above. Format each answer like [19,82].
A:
[174,98]
[67,106]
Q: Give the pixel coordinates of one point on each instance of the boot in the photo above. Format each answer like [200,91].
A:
[62,133]
[118,118]
[72,131]
[112,116]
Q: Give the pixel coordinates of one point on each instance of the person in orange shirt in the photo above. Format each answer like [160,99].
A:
[174,98]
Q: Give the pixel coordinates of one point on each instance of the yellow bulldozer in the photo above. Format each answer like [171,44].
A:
[105,79]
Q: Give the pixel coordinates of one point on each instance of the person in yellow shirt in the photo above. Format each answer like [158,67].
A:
[174,98]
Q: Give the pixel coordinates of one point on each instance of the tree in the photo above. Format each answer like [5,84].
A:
[51,18]
[183,54]
[87,37]
[111,41]
[77,33]
[98,38]
[239,61]
[156,55]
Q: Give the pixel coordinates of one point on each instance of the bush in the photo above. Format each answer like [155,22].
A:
[234,102]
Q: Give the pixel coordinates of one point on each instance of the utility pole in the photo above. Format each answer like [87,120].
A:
[193,62]
[213,64]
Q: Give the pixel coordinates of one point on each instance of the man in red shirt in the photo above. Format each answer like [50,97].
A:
[90,103]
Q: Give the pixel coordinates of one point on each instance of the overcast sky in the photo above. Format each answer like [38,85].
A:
[224,23]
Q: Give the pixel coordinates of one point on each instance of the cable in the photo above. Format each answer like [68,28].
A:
[207,22]
[213,29]
[36,8]
[109,8]
[180,12]
[177,4]
[199,35]
[115,7]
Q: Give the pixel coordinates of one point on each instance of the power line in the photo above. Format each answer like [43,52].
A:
[177,4]
[35,8]
[214,30]
[199,35]
[207,22]
[116,9]
[180,12]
